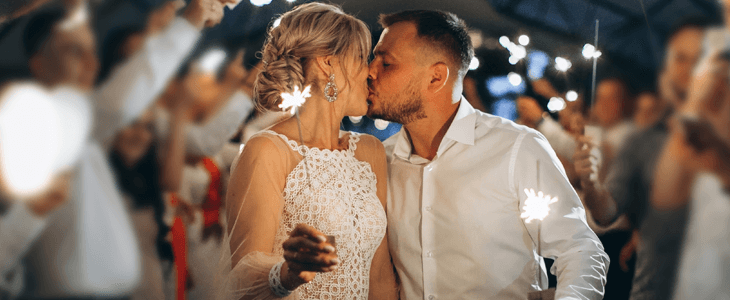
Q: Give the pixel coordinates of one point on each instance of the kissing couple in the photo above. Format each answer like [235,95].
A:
[434,212]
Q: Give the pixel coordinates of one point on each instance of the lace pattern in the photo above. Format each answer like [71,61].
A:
[342,202]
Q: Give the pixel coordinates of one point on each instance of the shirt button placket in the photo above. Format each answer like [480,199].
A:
[427,238]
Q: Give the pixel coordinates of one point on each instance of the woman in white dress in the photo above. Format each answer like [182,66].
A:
[280,211]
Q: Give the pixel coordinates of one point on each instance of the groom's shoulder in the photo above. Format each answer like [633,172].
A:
[495,127]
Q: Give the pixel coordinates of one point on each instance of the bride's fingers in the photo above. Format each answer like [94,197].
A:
[309,258]
[297,267]
[298,243]
[306,230]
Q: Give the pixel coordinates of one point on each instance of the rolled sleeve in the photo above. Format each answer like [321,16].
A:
[138,81]
[581,263]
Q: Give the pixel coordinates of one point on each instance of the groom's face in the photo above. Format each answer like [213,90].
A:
[396,81]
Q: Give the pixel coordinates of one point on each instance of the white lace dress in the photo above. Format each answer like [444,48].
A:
[337,197]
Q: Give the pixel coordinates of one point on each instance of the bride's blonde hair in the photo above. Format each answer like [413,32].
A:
[310,30]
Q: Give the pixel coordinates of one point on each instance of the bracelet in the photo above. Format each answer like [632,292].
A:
[275,281]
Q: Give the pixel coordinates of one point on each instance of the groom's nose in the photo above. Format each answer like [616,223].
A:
[372,73]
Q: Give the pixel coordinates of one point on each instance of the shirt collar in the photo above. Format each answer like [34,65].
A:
[461,130]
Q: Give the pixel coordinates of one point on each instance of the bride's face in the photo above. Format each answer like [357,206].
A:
[356,91]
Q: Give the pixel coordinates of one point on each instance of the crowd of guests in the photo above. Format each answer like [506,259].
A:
[652,168]
[139,213]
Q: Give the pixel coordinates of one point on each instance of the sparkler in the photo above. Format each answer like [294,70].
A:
[292,102]
[595,66]
[537,207]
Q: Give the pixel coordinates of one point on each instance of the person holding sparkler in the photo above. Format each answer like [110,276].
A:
[306,201]
[460,180]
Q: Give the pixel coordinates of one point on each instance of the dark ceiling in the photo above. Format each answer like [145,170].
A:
[631,39]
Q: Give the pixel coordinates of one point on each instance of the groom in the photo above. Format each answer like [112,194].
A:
[458,179]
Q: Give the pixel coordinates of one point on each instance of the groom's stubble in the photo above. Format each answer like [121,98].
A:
[402,108]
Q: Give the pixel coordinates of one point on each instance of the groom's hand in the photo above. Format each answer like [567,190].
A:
[306,252]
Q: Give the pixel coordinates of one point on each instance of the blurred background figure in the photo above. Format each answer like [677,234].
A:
[693,174]
[61,50]
[627,187]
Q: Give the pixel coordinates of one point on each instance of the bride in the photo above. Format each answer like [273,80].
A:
[314,231]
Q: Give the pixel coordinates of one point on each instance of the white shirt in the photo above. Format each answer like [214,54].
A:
[211,137]
[704,270]
[454,223]
[89,247]
[563,143]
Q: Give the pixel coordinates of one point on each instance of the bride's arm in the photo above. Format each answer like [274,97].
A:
[382,275]
[254,207]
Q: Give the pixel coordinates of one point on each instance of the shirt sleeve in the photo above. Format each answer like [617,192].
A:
[137,82]
[18,229]
[581,264]
[560,140]
[255,205]
[208,139]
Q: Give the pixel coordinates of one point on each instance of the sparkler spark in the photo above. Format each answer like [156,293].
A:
[294,100]
[537,205]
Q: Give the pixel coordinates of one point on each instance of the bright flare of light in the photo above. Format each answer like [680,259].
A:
[537,205]
[513,60]
[355,120]
[562,64]
[514,78]
[381,124]
[524,40]
[292,101]
[571,96]
[212,60]
[474,63]
[276,23]
[504,41]
[590,51]
[30,139]
[556,104]
[260,3]
[518,51]
[291,1]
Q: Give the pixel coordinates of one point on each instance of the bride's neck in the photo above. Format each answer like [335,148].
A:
[320,122]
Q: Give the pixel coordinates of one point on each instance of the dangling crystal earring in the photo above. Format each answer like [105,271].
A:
[331,88]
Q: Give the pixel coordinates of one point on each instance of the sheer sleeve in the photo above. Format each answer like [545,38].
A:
[255,205]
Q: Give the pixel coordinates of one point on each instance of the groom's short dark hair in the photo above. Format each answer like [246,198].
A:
[443,30]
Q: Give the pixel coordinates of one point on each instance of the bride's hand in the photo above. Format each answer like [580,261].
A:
[306,252]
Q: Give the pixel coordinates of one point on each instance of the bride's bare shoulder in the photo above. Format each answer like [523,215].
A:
[264,146]
[370,149]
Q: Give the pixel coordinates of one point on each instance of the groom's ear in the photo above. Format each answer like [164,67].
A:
[439,76]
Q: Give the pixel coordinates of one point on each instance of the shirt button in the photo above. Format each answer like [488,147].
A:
[429,254]
[429,168]
[428,208]
[431,297]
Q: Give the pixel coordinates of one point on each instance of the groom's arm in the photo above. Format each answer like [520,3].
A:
[581,264]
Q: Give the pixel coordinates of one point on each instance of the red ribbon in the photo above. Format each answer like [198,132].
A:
[212,203]
[179,252]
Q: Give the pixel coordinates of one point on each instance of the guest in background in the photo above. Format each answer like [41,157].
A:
[628,184]
[61,50]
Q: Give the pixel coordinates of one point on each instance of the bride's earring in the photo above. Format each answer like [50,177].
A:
[330,90]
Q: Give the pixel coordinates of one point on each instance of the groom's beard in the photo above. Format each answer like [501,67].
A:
[403,108]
